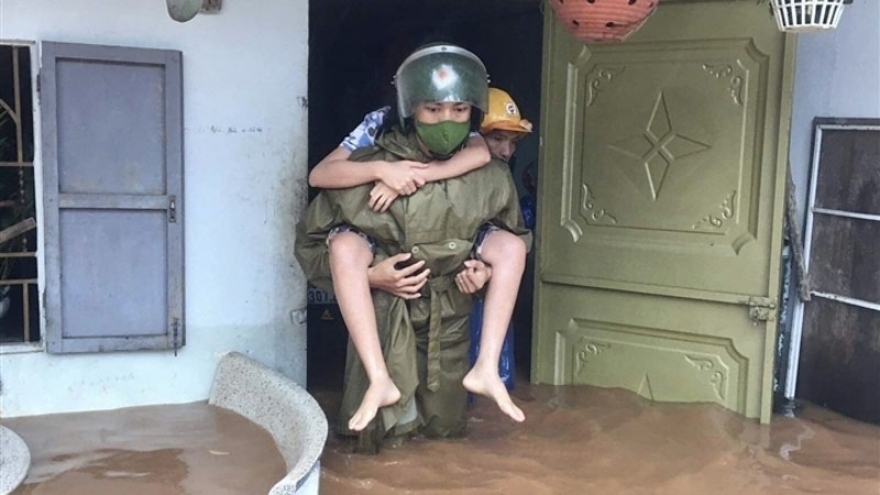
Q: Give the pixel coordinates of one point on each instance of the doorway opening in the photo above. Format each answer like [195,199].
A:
[354,50]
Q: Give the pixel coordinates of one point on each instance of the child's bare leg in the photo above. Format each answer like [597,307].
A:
[506,253]
[350,257]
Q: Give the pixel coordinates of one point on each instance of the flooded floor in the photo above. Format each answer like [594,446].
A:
[576,440]
[191,449]
[586,440]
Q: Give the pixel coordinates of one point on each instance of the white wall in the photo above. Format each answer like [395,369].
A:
[245,74]
[837,74]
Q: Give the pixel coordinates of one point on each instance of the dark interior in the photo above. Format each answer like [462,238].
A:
[354,50]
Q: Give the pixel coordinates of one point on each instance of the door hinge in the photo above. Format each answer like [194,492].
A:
[175,332]
[762,309]
[172,209]
[39,81]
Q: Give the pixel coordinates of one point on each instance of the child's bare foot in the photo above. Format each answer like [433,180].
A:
[380,393]
[489,384]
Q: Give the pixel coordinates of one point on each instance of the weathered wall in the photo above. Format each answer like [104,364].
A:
[837,74]
[245,89]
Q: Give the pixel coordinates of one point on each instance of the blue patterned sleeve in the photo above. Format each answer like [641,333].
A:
[364,135]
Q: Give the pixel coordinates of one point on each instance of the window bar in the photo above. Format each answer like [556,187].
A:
[847,214]
[16,76]
[852,301]
[22,254]
[26,310]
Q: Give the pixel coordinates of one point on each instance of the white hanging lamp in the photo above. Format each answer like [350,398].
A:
[800,16]
[183,10]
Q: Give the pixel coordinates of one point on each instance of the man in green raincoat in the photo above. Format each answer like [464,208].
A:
[425,340]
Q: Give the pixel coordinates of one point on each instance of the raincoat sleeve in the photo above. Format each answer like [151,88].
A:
[332,208]
[311,241]
[328,210]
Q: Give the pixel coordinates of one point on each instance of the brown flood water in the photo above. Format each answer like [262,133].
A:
[587,440]
[190,449]
[576,440]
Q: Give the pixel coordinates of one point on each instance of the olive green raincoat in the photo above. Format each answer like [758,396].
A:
[425,341]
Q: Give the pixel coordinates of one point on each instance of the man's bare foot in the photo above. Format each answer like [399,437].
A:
[489,384]
[380,393]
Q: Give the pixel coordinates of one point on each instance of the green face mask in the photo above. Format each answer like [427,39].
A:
[442,138]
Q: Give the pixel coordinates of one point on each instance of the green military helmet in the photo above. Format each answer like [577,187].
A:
[441,72]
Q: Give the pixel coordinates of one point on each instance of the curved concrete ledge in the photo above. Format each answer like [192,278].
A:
[283,408]
[15,460]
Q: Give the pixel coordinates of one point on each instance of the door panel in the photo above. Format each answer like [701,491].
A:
[613,339]
[113,283]
[662,199]
[113,197]
[669,173]
[104,116]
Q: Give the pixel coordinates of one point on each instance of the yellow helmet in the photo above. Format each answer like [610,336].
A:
[503,114]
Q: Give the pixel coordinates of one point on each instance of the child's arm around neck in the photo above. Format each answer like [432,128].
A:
[336,171]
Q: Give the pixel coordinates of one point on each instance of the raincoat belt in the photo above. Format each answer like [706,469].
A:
[436,286]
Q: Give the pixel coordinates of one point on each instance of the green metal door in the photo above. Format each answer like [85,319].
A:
[663,166]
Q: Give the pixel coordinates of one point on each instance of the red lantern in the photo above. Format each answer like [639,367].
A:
[603,20]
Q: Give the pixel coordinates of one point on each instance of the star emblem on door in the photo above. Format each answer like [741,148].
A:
[651,154]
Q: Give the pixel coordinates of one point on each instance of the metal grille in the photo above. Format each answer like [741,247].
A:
[19,306]
[845,276]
